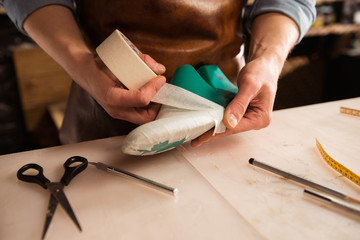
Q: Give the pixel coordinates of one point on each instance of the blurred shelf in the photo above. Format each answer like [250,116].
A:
[335,28]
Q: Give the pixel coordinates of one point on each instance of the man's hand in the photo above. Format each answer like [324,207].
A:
[252,106]
[130,105]
[63,41]
[273,36]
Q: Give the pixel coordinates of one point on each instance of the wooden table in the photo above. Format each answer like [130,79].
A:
[221,196]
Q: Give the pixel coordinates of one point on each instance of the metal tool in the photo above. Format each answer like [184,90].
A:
[333,201]
[302,181]
[73,166]
[132,176]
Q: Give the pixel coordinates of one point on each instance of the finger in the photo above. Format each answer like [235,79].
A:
[154,65]
[209,136]
[140,115]
[246,123]
[236,109]
[136,98]
[204,138]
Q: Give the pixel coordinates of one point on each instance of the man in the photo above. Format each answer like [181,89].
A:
[177,32]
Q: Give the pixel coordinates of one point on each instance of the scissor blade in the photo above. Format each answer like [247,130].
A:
[50,213]
[56,190]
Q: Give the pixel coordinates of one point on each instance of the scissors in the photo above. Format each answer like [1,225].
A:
[73,166]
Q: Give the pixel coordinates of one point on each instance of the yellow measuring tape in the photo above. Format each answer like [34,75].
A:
[337,166]
[350,111]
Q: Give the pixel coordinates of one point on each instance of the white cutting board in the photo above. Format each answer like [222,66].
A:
[112,207]
[277,207]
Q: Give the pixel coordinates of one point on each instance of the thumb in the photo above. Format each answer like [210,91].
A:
[237,108]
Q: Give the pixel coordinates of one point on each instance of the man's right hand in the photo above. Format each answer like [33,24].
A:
[121,103]
[55,30]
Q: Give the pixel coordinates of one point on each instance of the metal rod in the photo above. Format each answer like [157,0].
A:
[332,201]
[138,178]
[301,180]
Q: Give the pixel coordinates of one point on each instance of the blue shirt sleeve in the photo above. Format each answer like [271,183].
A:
[303,12]
[19,10]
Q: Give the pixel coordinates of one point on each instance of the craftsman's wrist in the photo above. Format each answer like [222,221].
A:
[83,67]
[273,36]
[269,58]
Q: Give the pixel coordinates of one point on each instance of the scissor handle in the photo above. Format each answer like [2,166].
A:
[39,178]
[71,169]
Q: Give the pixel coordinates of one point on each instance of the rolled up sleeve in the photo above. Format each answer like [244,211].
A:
[302,12]
[19,10]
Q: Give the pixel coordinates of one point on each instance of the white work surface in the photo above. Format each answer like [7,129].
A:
[221,196]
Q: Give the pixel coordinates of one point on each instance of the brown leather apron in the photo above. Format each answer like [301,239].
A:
[173,32]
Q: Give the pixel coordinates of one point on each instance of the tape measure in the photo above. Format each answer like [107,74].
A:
[337,166]
[350,111]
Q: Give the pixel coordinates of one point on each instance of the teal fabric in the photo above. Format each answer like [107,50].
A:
[216,78]
[208,82]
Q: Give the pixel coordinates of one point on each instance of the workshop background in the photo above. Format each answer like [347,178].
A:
[325,66]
